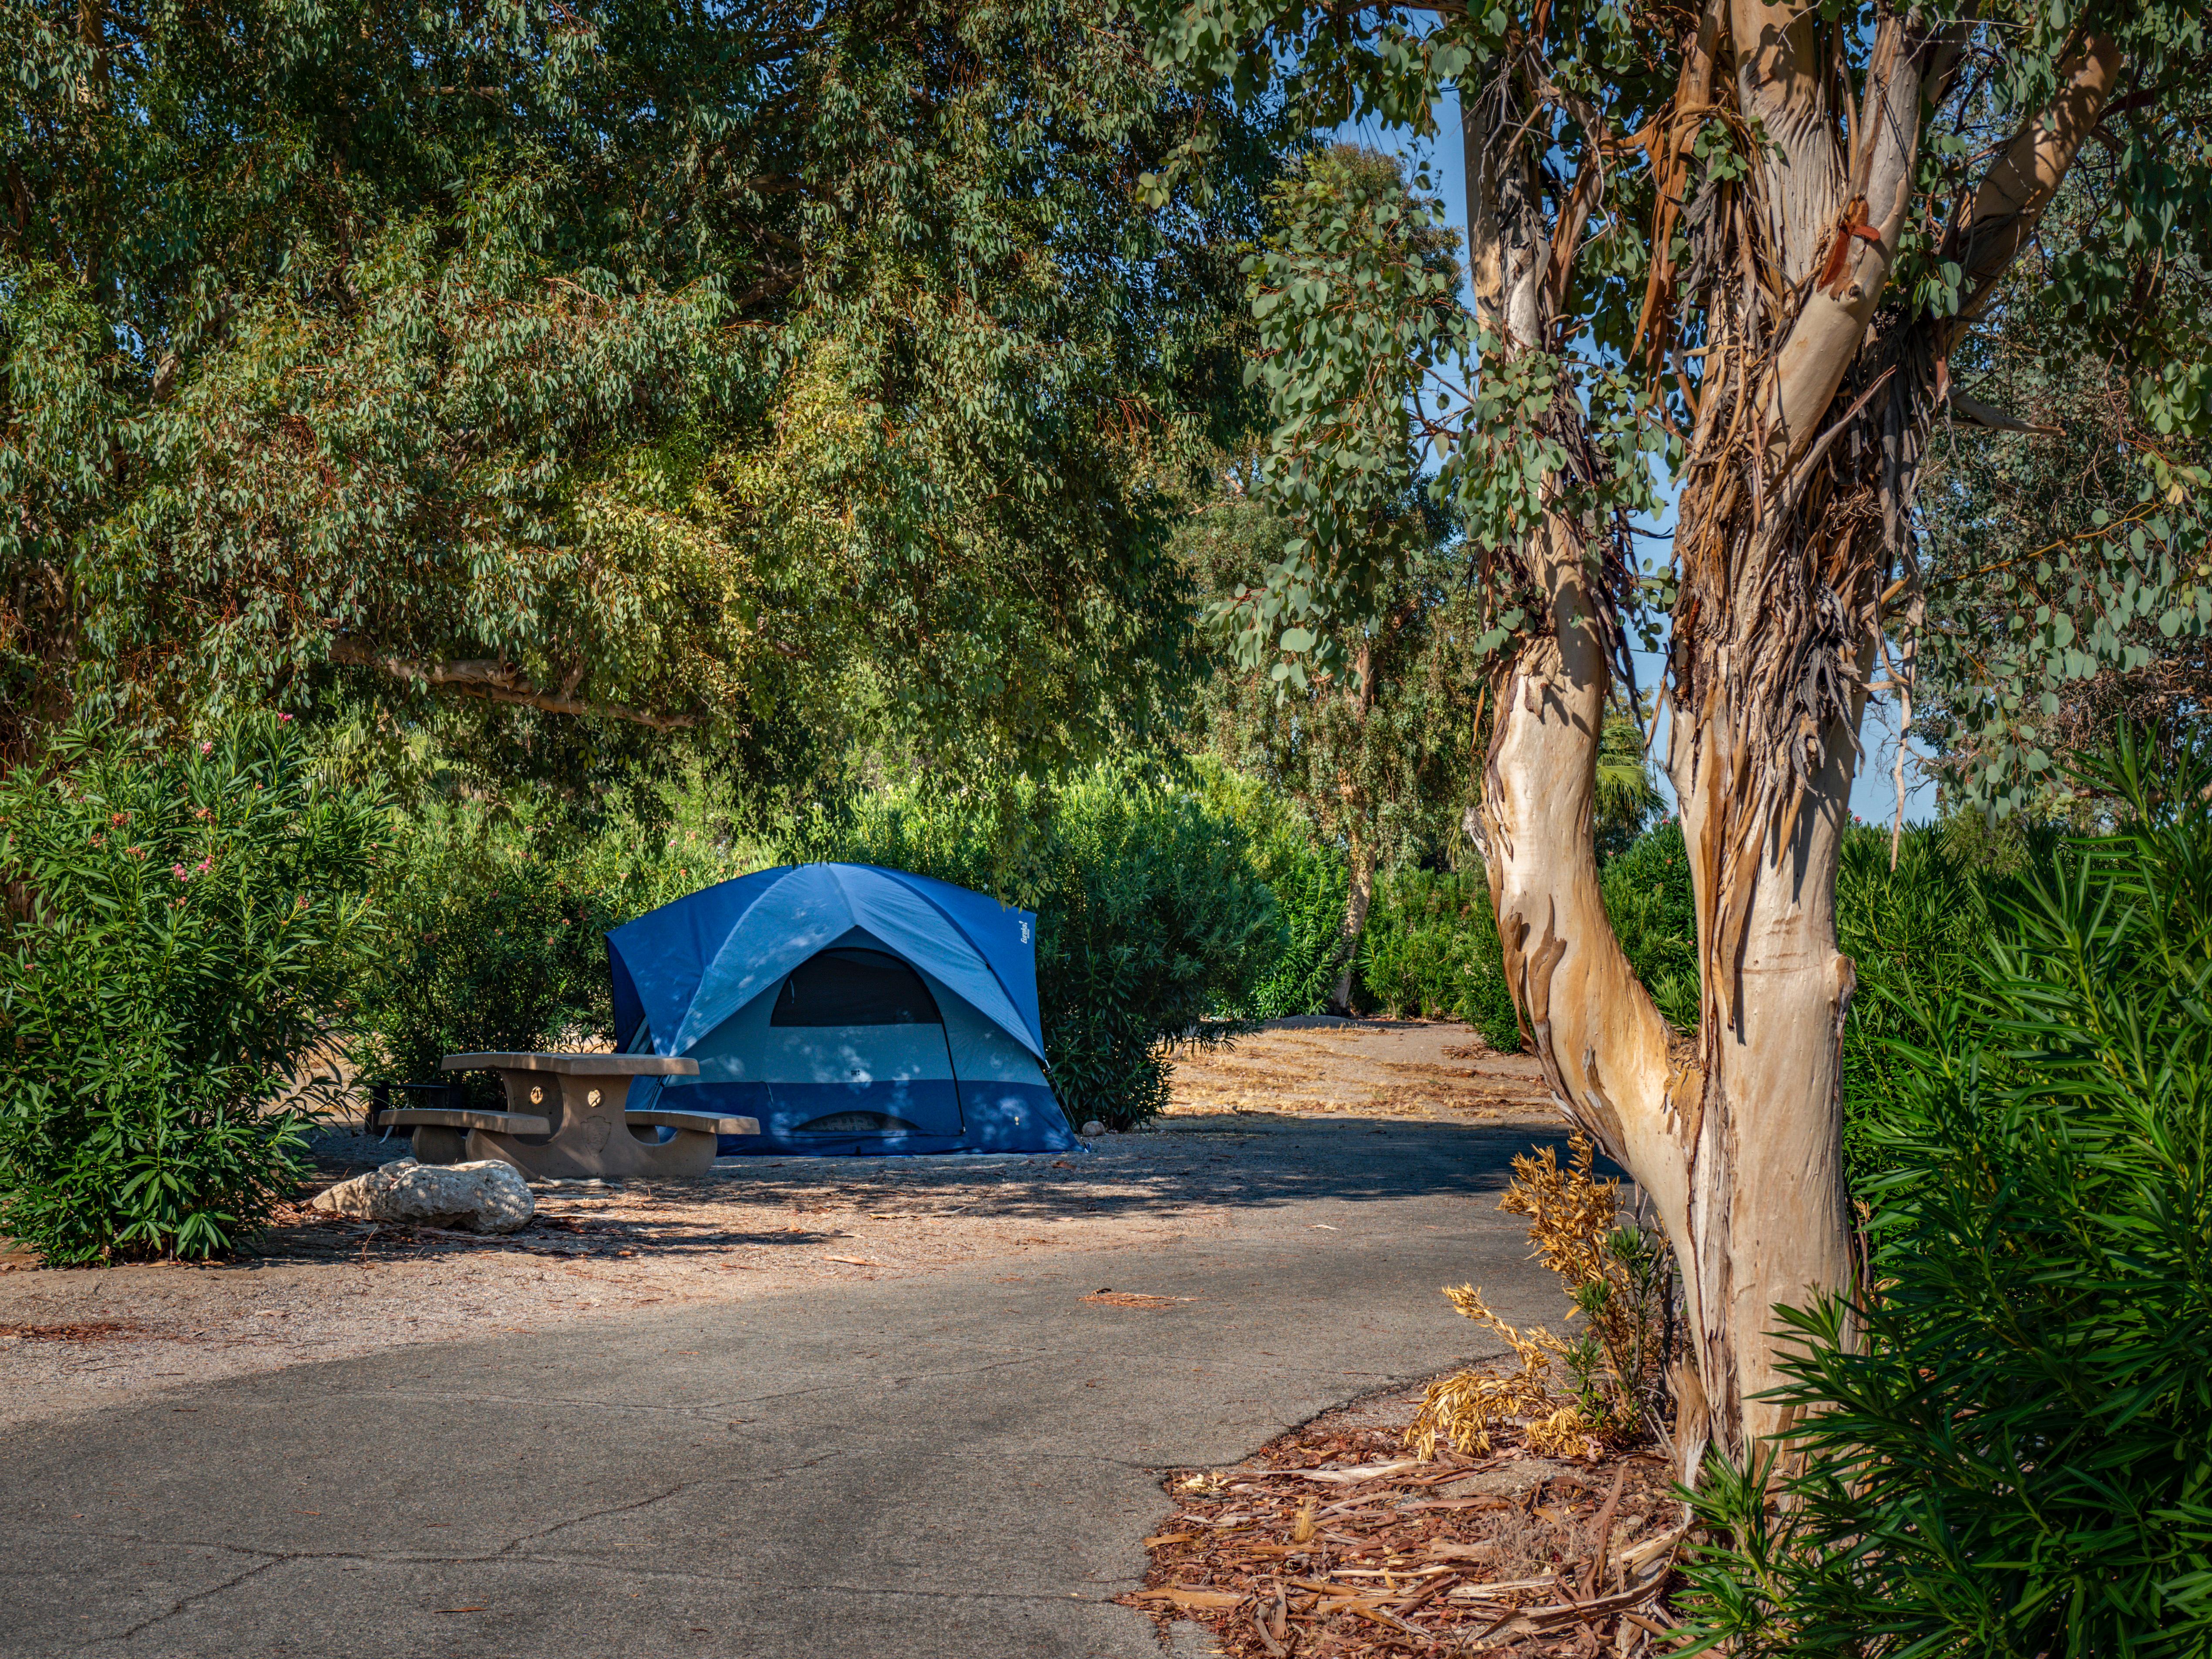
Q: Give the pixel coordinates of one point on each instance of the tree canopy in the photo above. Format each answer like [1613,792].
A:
[1626,175]
[702,369]
[2005,511]
[1377,747]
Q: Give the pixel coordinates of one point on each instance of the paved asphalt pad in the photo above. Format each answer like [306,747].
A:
[960,1464]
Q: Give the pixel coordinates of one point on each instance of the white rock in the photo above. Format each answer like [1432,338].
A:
[1093,1127]
[485,1197]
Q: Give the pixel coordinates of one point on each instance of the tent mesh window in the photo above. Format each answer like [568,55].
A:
[859,1123]
[850,986]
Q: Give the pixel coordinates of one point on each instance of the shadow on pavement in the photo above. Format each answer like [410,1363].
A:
[1246,1162]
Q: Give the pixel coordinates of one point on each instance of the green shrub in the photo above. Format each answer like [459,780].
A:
[1312,885]
[491,946]
[1914,933]
[1311,881]
[1647,895]
[1151,917]
[496,916]
[2017,1456]
[184,925]
[1431,949]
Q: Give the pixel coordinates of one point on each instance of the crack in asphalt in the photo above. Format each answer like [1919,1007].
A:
[630,1571]
[589,1563]
[513,1550]
[177,1609]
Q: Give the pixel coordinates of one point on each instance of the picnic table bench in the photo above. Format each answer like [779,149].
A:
[567,1119]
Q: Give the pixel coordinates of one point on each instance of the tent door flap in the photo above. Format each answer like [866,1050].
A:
[867,1105]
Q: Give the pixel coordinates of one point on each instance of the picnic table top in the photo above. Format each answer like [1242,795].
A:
[576,1065]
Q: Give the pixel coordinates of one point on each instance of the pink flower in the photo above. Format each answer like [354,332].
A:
[178,871]
[207,745]
[205,863]
[281,719]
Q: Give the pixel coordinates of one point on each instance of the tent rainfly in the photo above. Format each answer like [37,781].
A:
[851,1009]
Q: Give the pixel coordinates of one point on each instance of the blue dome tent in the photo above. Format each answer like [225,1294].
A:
[851,1009]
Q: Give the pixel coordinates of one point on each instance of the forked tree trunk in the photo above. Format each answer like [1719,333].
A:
[1734,1136]
[1783,538]
[1609,1056]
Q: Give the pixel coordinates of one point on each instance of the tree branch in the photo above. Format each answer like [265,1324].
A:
[1670,144]
[497,682]
[1783,89]
[2022,181]
[1831,327]
[1982,414]
[1574,214]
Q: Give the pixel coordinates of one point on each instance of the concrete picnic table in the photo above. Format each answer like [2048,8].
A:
[567,1119]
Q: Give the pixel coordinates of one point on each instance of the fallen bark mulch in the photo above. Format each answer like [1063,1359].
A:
[1334,1540]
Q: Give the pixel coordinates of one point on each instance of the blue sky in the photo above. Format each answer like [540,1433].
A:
[1873,796]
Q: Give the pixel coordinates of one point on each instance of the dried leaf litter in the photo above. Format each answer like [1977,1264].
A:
[1331,1541]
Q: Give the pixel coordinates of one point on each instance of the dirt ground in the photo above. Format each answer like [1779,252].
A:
[1325,1067]
[318,1288]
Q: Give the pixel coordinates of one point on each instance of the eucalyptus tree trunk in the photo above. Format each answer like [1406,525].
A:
[1359,900]
[1814,406]
[1359,844]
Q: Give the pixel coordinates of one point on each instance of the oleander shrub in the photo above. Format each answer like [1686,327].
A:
[2016,1455]
[1914,932]
[1152,918]
[184,925]
[1311,884]
[1646,890]
[1431,950]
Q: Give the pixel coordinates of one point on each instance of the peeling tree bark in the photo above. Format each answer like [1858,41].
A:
[1612,1062]
[1809,422]
[1609,1056]
[1781,542]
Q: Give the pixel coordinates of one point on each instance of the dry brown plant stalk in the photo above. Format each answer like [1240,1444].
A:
[1615,1281]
